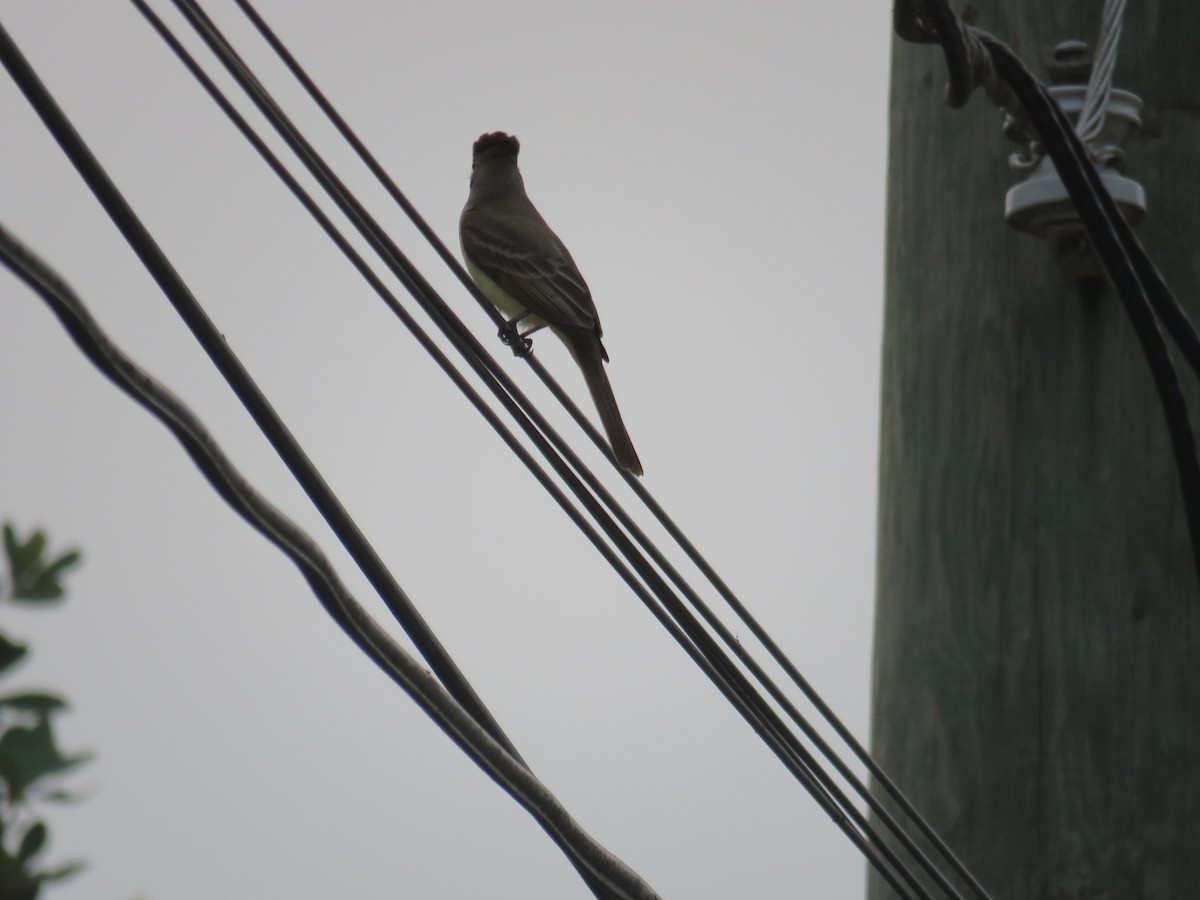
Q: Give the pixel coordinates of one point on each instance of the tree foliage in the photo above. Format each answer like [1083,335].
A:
[31,763]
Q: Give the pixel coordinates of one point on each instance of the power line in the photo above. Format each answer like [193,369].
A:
[1118,248]
[239,65]
[673,529]
[749,703]
[244,386]
[257,405]
[1157,293]
[609,876]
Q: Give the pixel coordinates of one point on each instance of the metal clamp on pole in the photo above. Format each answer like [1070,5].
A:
[1039,204]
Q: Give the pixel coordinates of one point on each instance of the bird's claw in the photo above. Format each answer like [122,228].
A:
[521,346]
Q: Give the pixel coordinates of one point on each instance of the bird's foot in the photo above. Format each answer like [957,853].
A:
[520,345]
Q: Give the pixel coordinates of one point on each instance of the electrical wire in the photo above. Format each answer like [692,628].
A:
[921,22]
[486,306]
[918,892]
[1099,86]
[672,528]
[601,867]
[911,19]
[257,405]
[1117,247]
[244,386]
[1148,301]
[793,717]
[819,798]
[720,663]
[801,771]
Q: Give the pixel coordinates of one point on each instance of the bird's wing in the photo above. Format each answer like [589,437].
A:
[529,262]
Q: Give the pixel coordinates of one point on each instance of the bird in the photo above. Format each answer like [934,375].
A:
[523,268]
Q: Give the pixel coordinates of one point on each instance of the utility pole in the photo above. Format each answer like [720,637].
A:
[1037,642]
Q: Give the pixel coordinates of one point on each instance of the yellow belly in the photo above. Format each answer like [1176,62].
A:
[503,301]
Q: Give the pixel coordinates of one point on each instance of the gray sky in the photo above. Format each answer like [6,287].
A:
[718,173]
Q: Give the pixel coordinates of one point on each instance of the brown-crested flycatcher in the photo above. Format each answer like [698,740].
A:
[524,269]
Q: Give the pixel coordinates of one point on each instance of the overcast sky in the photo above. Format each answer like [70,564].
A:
[718,172]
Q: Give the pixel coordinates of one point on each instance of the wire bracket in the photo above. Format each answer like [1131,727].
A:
[1039,205]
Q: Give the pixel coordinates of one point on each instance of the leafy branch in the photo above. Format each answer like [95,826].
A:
[31,762]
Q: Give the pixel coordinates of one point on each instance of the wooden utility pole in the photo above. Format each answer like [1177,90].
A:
[1037,644]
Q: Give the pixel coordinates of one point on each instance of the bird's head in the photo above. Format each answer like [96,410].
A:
[496,145]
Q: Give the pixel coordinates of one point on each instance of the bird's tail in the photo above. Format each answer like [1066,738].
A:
[589,355]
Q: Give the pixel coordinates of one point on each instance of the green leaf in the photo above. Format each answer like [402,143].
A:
[32,841]
[15,882]
[41,584]
[30,754]
[22,556]
[37,703]
[35,580]
[35,547]
[12,549]
[39,592]
[64,871]
[46,586]
[10,653]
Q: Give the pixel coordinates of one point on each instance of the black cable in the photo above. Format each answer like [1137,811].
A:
[1141,287]
[427,344]
[782,740]
[843,802]
[1145,295]
[602,868]
[733,642]
[673,529]
[1170,311]
[1097,198]
[386,586]
[760,633]
[954,45]
[932,22]
[244,386]
[1117,248]
[910,24]
[370,161]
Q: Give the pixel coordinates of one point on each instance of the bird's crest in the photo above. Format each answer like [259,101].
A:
[496,144]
